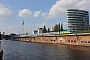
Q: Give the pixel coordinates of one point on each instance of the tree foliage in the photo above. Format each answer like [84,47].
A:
[61,29]
[84,31]
[48,29]
[44,29]
[56,29]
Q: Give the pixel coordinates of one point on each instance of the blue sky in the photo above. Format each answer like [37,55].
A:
[35,13]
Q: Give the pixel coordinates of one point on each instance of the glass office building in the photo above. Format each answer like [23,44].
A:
[77,20]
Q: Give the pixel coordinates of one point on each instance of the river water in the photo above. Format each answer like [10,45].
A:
[16,50]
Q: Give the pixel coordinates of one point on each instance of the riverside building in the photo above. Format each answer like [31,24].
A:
[77,20]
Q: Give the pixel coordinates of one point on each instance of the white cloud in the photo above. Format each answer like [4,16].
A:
[44,14]
[4,12]
[59,9]
[41,25]
[9,29]
[36,14]
[25,13]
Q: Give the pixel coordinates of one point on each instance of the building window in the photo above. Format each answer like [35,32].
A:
[71,40]
[54,40]
[74,40]
[68,40]
[85,41]
[88,41]
[82,41]
[60,40]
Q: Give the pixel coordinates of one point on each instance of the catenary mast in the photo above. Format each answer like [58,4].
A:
[23,26]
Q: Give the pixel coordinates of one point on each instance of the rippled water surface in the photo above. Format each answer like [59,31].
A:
[16,50]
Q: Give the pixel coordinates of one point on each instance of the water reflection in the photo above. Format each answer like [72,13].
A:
[15,50]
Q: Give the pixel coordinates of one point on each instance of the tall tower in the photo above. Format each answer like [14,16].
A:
[77,20]
[23,27]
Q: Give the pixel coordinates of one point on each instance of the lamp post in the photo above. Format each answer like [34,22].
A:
[23,27]
[76,34]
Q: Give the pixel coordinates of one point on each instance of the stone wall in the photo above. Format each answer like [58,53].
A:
[66,39]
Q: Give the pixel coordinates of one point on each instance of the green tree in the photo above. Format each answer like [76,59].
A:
[48,29]
[56,28]
[83,31]
[59,27]
[44,29]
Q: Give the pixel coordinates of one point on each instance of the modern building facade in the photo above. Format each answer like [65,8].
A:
[35,32]
[38,31]
[77,20]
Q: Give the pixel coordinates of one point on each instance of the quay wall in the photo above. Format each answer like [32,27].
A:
[61,39]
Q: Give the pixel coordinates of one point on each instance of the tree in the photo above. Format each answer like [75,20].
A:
[48,29]
[44,29]
[59,27]
[56,28]
[83,31]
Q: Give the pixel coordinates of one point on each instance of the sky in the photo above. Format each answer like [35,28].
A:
[36,13]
